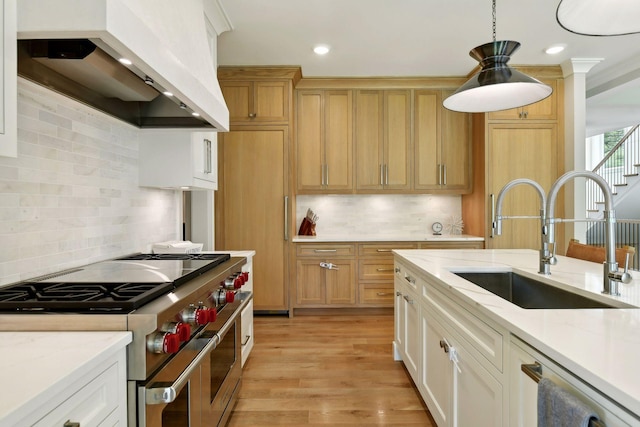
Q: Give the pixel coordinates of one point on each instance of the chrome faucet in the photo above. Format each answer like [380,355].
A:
[611,275]
[545,258]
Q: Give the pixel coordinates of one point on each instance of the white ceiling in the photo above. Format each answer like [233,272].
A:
[428,38]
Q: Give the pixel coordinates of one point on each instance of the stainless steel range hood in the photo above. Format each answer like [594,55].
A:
[73,47]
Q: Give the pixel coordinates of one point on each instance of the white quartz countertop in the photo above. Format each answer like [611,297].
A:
[387,238]
[34,366]
[601,346]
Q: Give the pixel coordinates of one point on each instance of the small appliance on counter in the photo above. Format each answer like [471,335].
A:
[177,247]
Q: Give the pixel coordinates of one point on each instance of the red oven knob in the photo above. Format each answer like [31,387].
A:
[163,342]
[230,297]
[183,331]
[202,316]
[213,314]
[245,276]
[238,282]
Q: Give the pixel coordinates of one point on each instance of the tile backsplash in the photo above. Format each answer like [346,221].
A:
[378,215]
[71,197]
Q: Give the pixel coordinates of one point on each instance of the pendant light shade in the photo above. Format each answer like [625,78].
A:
[496,86]
[599,17]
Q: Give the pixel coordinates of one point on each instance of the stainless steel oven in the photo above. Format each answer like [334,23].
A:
[184,364]
[200,383]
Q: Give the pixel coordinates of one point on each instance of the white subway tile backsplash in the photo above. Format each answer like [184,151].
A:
[378,215]
[72,196]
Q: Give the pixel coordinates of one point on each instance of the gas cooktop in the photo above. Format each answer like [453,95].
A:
[118,285]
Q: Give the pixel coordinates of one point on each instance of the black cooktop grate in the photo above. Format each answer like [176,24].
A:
[219,258]
[80,297]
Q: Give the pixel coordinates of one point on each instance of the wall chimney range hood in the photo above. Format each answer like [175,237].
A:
[73,47]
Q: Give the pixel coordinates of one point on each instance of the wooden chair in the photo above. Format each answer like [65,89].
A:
[597,253]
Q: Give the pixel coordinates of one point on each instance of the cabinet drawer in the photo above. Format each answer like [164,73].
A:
[383,249]
[90,405]
[486,340]
[325,250]
[376,293]
[376,269]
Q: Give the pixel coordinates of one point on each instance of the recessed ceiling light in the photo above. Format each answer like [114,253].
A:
[195,114]
[554,49]
[125,61]
[321,49]
[167,93]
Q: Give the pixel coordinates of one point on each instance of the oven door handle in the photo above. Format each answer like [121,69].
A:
[159,395]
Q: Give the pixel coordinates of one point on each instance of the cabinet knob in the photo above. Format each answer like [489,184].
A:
[444,345]
[252,115]
[70,423]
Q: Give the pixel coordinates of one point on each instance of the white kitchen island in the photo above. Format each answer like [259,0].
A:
[597,349]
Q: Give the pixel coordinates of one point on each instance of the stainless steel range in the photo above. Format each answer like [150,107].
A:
[183,366]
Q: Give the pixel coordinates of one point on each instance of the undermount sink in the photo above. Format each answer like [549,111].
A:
[529,293]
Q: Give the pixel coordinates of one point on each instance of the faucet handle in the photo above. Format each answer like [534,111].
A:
[553,260]
[624,276]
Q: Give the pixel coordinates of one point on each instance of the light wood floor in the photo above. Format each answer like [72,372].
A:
[326,370]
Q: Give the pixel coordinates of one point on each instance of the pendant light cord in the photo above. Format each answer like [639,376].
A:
[493,12]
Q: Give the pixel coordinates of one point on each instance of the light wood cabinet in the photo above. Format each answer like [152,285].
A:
[325,276]
[505,148]
[256,101]
[546,109]
[442,144]
[8,81]
[324,149]
[383,139]
[251,210]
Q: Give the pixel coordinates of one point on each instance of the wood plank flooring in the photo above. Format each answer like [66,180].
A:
[319,370]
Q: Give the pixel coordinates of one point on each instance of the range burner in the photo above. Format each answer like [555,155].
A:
[198,256]
[80,297]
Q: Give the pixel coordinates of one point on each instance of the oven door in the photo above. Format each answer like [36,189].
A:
[221,373]
[173,396]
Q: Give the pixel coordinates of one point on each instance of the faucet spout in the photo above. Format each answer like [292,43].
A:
[611,276]
[545,258]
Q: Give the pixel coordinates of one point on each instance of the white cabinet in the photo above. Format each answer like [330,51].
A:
[407,322]
[457,388]
[8,81]
[179,159]
[247,315]
[454,358]
[523,390]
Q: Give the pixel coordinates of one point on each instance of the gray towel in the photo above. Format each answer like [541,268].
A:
[559,408]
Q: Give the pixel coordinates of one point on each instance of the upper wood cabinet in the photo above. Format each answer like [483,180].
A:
[542,110]
[258,95]
[383,139]
[442,141]
[324,127]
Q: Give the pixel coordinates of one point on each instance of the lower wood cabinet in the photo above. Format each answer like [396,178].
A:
[352,274]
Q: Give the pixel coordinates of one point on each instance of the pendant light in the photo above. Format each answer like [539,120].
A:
[599,17]
[496,86]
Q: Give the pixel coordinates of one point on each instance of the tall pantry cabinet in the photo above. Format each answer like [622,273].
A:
[525,142]
[254,206]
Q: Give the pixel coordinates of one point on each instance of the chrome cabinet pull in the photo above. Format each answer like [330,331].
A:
[444,345]
[325,250]
[383,294]
[329,266]
[444,174]
[326,175]
[381,174]
[70,423]
[398,293]
[386,174]
[322,175]
[396,270]
[384,270]
[247,338]
[407,299]
[384,250]
[409,279]
[286,218]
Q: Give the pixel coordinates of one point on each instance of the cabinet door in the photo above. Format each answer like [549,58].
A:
[310,141]
[398,313]
[426,137]
[397,140]
[8,81]
[338,140]
[455,149]
[251,215]
[478,397]
[369,140]
[541,110]
[518,152]
[238,96]
[311,287]
[340,283]
[412,342]
[436,379]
